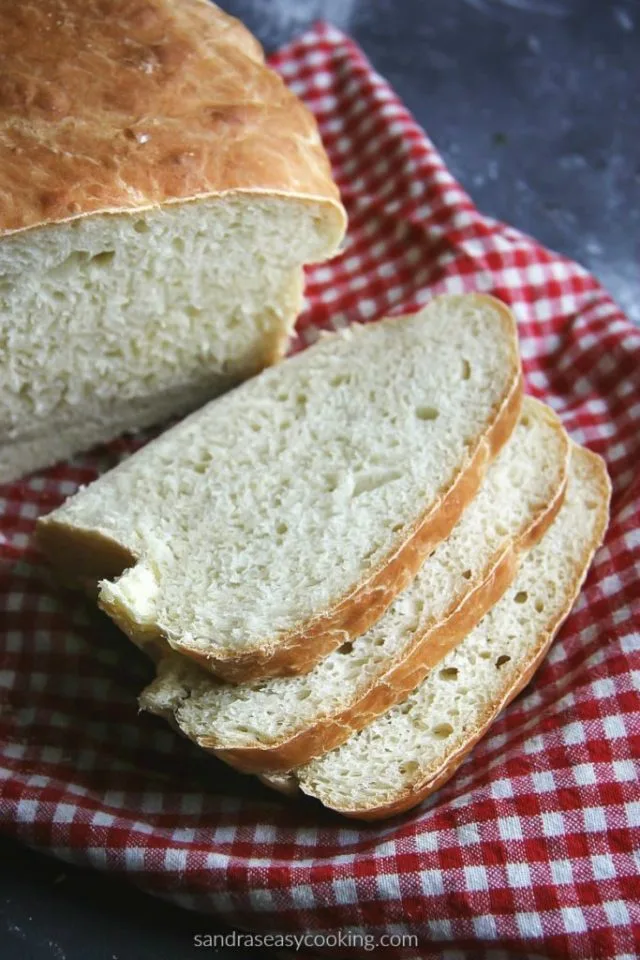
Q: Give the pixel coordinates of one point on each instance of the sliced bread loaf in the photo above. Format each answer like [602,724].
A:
[160,191]
[281,520]
[405,755]
[279,723]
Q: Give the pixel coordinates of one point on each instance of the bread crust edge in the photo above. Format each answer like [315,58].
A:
[415,795]
[351,615]
[304,646]
[404,675]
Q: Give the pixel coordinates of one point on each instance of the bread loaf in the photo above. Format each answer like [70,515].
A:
[282,519]
[160,190]
[405,755]
[280,723]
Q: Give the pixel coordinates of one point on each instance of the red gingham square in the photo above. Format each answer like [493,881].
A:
[533,848]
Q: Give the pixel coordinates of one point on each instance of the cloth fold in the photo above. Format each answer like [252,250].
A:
[530,848]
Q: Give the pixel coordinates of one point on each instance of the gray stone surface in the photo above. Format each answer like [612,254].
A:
[534,104]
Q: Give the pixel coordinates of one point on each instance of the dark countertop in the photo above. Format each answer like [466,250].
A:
[534,105]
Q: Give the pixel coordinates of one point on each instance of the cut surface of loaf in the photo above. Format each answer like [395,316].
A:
[283,722]
[405,755]
[160,191]
[282,519]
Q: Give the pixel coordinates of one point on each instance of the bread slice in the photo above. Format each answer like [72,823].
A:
[161,190]
[405,755]
[282,519]
[279,723]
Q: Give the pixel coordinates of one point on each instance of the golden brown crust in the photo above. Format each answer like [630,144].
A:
[122,105]
[352,615]
[305,646]
[302,649]
[405,674]
[329,732]
[512,688]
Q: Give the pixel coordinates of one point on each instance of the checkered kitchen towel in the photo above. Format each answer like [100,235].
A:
[533,848]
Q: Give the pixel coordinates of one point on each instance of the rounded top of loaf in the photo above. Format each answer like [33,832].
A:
[110,106]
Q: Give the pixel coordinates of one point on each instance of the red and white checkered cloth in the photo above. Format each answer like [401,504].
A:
[533,848]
